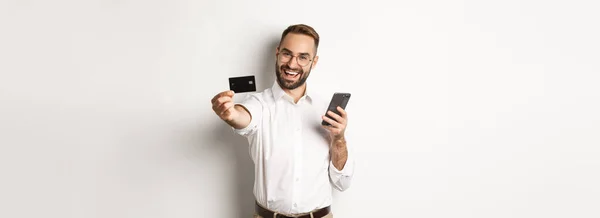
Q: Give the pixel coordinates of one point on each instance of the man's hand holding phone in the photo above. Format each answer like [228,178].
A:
[336,118]
[338,124]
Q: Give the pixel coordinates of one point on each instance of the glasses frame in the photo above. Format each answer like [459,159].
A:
[279,53]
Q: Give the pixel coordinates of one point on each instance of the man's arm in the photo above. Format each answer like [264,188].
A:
[339,153]
[341,167]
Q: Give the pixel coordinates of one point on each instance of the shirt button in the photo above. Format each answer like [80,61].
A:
[297,179]
[295,205]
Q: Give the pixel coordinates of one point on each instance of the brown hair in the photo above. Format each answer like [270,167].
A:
[301,29]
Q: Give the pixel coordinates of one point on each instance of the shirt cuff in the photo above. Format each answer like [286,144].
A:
[348,169]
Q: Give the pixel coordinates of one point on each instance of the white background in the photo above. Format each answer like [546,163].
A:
[459,108]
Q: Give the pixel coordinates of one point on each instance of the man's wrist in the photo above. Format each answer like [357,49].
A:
[339,141]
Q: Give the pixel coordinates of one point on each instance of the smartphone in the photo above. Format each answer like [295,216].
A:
[339,99]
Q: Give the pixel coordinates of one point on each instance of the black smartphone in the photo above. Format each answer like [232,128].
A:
[339,99]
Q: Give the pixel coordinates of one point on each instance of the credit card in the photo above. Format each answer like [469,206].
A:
[242,84]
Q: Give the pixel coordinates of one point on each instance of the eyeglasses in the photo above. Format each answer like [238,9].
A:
[302,59]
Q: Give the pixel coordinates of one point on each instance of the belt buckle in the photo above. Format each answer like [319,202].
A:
[309,215]
[298,216]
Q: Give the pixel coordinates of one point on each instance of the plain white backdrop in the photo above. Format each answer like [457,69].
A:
[459,108]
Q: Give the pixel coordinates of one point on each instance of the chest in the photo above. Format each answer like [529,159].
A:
[296,128]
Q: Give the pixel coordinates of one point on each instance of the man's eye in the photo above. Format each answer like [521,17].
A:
[304,57]
[286,54]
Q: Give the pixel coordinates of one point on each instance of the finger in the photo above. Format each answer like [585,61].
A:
[217,109]
[218,104]
[217,96]
[229,93]
[225,107]
[225,115]
[331,121]
[342,112]
[223,100]
[336,117]
[333,130]
[329,128]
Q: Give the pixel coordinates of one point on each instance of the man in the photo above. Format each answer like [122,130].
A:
[297,160]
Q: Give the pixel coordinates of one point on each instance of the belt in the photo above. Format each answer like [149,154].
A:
[266,213]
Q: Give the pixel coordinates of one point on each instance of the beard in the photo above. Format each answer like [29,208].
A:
[287,84]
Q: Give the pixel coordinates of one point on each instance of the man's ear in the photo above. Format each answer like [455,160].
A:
[315,60]
[276,52]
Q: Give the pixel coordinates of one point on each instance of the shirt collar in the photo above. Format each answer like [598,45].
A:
[279,93]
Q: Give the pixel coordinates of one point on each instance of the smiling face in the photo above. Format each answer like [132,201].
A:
[295,59]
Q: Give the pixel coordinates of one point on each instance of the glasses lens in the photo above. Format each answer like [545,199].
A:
[303,61]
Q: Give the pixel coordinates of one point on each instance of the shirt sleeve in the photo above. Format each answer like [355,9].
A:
[254,107]
[341,179]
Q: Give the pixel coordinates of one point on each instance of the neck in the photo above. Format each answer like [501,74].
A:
[296,93]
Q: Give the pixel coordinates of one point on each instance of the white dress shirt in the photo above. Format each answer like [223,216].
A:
[290,150]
